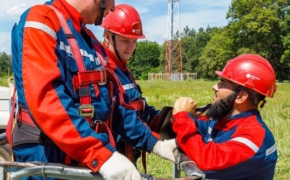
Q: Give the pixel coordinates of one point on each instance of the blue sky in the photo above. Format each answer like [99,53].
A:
[193,13]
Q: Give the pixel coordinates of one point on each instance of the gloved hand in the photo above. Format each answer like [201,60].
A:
[118,167]
[165,149]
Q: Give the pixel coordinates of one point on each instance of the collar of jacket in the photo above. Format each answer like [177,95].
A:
[69,12]
[245,114]
[114,62]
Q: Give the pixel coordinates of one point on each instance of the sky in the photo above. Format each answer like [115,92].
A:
[154,14]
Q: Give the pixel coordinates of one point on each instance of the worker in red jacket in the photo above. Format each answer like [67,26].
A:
[123,28]
[231,141]
[65,101]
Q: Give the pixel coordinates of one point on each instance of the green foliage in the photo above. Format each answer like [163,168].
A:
[5,64]
[146,58]
[260,26]
[275,113]
[216,53]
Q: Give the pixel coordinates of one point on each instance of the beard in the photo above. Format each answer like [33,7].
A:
[221,108]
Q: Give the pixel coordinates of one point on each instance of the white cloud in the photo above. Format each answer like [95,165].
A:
[17,9]
[142,10]
[153,13]
[5,43]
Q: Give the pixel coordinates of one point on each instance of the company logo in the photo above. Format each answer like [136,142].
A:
[135,31]
[250,76]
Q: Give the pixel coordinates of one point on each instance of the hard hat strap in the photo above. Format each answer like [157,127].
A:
[102,11]
[115,48]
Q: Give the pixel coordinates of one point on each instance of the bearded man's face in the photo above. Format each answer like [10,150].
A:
[223,101]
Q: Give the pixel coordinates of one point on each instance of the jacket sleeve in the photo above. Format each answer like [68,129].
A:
[48,101]
[130,128]
[150,111]
[219,160]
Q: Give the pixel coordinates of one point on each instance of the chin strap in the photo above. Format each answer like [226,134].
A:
[115,49]
[102,11]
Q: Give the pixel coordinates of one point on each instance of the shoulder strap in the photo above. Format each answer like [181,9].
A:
[84,77]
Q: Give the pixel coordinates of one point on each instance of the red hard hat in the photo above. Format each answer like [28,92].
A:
[125,21]
[251,71]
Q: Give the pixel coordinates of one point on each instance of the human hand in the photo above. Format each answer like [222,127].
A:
[118,167]
[165,149]
[184,104]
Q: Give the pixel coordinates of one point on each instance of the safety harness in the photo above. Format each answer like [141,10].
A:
[81,83]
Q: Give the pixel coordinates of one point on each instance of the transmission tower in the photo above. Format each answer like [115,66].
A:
[173,58]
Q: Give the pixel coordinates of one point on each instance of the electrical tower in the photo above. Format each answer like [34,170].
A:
[173,57]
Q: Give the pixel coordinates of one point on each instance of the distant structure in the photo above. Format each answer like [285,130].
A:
[173,58]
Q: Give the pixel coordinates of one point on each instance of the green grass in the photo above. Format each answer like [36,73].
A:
[275,113]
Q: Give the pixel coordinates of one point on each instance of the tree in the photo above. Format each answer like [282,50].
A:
[146,59]
[256,26]
[216,53]
[5,64]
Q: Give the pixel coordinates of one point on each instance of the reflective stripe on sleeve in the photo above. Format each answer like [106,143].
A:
[40,26]
[128,86]
[247,142]
[84,53]
[271,150]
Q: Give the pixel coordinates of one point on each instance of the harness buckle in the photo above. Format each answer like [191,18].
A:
[86,110]
[97,125]
[103,80]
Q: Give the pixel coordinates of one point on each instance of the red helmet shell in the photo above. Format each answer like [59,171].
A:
[251,71]
[125,21]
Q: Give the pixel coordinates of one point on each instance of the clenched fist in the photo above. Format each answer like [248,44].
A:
[184,104]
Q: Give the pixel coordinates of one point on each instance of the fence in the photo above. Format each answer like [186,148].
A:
[172,77]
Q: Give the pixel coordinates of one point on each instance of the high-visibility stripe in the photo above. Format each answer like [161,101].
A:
[247,142]
[271,150]
[84,53]
[129,86]
[209,130]
[40,26]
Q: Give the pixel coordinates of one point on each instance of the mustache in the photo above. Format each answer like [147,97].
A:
[222,108]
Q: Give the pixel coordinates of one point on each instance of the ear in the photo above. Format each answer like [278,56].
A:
[242,97]
[107,37]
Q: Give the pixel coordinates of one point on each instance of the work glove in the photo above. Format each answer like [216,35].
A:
[165,149]
[118,167]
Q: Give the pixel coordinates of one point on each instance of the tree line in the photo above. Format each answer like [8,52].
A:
[261,27]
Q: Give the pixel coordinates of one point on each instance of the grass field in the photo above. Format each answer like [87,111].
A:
[276,114]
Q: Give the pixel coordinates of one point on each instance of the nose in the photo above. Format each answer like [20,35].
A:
[215,87]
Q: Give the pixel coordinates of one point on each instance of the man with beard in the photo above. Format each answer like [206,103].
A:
[231,141]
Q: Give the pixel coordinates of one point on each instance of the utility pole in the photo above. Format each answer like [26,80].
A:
[173,57]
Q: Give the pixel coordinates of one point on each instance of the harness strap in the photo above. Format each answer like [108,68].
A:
[129,153]
[24,117]
[84,90]
[104,127]
[143,156]
[89,77]
[9,127]
[138,105]
[112,77]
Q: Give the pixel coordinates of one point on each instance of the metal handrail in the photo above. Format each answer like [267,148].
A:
[19,170]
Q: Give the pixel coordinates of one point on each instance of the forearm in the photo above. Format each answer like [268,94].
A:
[132,130]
